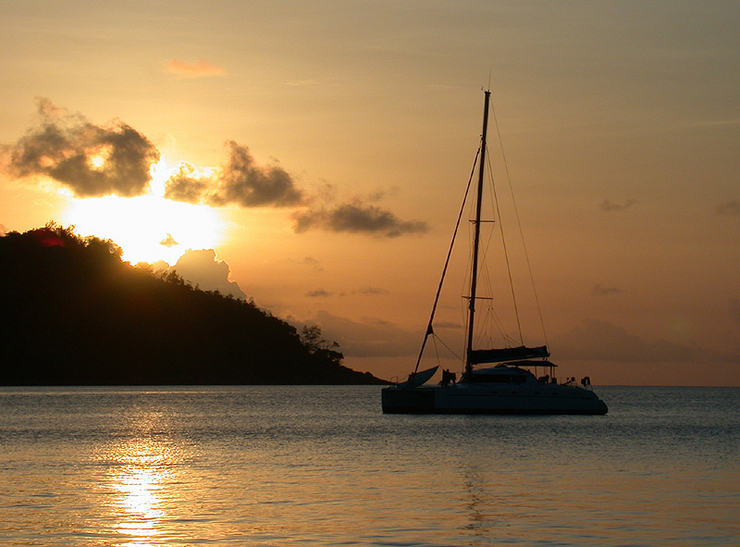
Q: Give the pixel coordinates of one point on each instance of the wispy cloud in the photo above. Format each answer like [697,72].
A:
[201,69]
[734,305]
[600,340]
[729,122]
[599,290]
[729,208]
[366,338]
[318,293]
[357,217]
[609,205]
[370,291]
[310,262]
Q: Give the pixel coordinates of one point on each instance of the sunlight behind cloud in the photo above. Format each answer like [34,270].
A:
[148,228]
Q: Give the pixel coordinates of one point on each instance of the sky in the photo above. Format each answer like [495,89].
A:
[312,156]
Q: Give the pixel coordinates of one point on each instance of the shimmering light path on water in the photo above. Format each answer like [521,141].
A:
[321,466]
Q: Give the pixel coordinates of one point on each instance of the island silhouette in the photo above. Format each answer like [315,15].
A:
[75,313]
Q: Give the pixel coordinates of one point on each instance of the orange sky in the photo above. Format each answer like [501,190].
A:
[329,143]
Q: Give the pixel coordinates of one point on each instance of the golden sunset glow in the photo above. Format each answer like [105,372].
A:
[327,173]
[137,484]
[148,228]
[139,502]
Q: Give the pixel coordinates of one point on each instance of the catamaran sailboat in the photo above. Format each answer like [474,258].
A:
[512,384]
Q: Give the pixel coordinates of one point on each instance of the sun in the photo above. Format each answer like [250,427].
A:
[148,228]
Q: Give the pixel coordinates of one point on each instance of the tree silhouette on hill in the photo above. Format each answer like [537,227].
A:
[74,313]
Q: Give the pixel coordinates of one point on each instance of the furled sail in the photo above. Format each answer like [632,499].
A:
[478,356]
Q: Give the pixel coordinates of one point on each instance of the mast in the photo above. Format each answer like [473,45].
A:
[476,238]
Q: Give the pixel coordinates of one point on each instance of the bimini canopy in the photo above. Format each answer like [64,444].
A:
[479,356]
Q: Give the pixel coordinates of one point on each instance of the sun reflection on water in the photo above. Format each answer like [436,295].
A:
[138,483]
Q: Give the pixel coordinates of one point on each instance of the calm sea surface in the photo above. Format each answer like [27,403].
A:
[322,466]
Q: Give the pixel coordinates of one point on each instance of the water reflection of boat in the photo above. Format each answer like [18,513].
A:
[508,387]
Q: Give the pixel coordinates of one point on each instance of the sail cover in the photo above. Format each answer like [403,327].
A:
[479,356]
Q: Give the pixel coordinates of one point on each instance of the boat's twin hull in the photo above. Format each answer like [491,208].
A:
[472,399]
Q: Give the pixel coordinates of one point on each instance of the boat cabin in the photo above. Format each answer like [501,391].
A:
[511,373]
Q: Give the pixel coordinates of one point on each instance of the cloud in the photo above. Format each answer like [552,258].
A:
[367,338]
[729,208]
[201,69]
[447,325]
[115,159]
[240,181]
[186,186]
[313,263]
[734,304]
[169,241]
[356,217]
[318,293]
[203,269]
[158,266]
[603,341]
[88,159]
[609,205]
[249,185]
[370,291]
[598,290]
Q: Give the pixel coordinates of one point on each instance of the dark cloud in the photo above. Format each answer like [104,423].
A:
[357,218]
[204,270]
[88,159]
[240,181]
[249,185]
[185,186]
[318,293]
[729,208]
[609,205]
[598,290]
[370,291]
[115,159]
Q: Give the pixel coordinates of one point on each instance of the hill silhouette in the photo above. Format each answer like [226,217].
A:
[73,313]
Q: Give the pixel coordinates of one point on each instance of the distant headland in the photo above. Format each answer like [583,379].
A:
[74,313]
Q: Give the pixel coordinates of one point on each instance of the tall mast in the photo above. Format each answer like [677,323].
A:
[476,238]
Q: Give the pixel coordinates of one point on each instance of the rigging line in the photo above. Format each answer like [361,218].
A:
[430,329]
[436,339]
[491,316]
[519,223]
[448,348]
[506,256]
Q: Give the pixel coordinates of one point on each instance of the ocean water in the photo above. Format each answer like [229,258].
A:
[322,466]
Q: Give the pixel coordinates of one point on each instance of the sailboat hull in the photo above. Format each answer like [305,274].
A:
[491,399]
